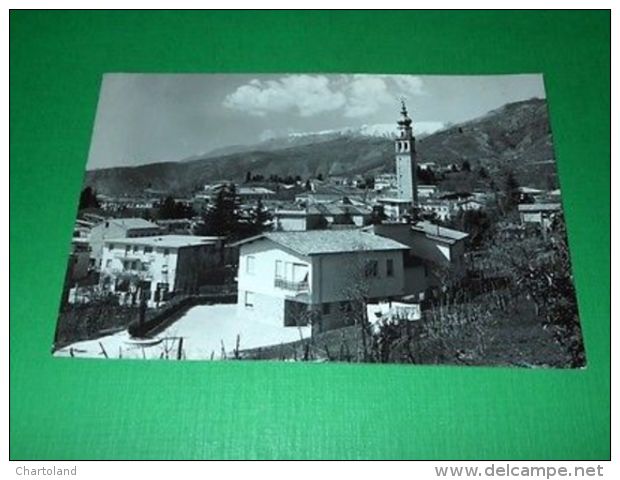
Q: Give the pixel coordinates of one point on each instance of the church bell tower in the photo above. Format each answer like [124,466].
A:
[406,182]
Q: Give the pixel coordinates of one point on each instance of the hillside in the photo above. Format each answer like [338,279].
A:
[515,136]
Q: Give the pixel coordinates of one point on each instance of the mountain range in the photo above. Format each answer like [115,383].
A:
[515,137]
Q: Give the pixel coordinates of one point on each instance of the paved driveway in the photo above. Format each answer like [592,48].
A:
[205,329]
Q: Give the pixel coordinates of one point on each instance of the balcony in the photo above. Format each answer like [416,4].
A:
[290,285]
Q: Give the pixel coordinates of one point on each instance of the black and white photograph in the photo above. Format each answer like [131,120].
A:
[353,218]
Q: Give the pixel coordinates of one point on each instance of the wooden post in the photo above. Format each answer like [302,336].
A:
[180,349]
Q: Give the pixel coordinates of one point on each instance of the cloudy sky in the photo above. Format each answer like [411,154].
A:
[145,118]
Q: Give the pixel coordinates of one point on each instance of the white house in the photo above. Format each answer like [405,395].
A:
[469,204]
[425,191]
[117,228]
[158,265]
[539,213]
[317,277]
[444,209]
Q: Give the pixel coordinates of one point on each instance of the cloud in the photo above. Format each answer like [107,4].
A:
[365,95]
[408,84]
[308,95]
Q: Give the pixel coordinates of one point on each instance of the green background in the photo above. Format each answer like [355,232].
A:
[97,409]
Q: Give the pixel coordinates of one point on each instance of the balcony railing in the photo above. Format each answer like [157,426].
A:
[290,285]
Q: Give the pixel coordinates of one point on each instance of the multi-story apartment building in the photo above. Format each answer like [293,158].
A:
[157,266]
[116,228]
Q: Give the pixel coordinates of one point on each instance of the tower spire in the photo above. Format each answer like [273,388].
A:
[405,121]
[406,158]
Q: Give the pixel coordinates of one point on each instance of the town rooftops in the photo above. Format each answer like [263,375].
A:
[131,223]
[166,241]
[539,207]
[328,209]
[320,242]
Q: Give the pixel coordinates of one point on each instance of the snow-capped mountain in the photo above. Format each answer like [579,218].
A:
[384,130]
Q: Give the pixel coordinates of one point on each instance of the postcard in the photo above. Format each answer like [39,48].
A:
[407,219]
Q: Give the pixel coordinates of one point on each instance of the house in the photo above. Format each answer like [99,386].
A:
[553,196]
[321,277]
[469,204]
[385,181]
[528,194]
[253,194]
[298,219]
[441,246]
[425,166]
[425,191]
[394,207]
[541,214]
[183,226]
[432,250]
[339,180]
[117,228]
[159,266]
[322,215]
[82,228]
[482,196]
[443,209]
[344,213]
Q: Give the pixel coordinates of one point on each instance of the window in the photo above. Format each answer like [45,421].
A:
[111,246]
[279,269]
[371,268]
[250,264]
[148,249]
[390,267]
[108,263]
[136,248]
[127,248]
[166,251]
[325,308]
[249,299]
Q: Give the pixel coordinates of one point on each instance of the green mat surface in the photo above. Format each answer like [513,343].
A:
[97,409]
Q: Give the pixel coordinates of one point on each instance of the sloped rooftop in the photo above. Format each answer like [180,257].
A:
[319,242]
[166,241]
[133,223]
[439,232]
[539,207]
